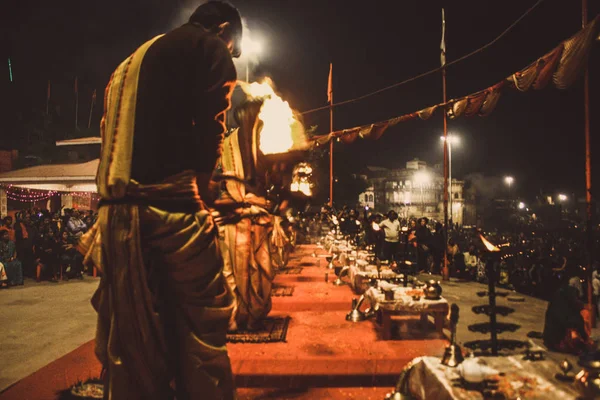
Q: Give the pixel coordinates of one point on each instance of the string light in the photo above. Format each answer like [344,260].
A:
[27,195]
[32,195]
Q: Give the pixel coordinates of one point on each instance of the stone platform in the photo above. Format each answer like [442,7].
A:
[324,357]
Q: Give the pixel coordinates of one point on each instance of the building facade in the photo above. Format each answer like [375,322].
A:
[413,192]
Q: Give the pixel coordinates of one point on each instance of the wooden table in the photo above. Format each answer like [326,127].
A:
[403,304]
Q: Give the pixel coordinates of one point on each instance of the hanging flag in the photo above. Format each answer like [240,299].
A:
[48,92]
[443,44]
[76,88]
[330,84]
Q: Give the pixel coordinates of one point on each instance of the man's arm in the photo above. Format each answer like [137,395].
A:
[214,82]
[215,79]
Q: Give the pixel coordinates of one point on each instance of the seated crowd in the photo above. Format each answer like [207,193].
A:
[41,245]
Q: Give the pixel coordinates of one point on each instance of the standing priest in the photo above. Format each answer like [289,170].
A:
[163,305]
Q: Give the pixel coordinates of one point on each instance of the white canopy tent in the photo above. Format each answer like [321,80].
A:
[59,177]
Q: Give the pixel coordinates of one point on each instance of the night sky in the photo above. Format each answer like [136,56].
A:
[536,136]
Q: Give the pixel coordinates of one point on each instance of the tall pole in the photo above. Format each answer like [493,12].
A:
[450,182]
[248,71]
[445,271]
[588,179]
[330,95]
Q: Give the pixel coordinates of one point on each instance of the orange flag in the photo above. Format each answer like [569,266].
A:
[330,84]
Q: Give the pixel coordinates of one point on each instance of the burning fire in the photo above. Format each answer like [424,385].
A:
[277,134]
[301,179]
[303,187]
[489,246]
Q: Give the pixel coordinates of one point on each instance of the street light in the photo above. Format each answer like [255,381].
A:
[562,197]
[521,205]
[452,139]
[422,178]
[509,180]
[251,47]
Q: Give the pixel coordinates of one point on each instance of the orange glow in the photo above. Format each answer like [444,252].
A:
[279,122]
[489,246]
[303,187]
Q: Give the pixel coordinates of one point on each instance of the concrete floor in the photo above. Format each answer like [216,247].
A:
[40,322]
[529,314]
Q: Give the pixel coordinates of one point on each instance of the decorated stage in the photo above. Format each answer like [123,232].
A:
[323,355]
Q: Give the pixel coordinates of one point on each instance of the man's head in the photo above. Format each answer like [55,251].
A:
[392,215]
[222,19]
[4,236]
[8,221]
[75,214]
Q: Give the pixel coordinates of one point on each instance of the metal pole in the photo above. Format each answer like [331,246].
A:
[248,71]
[331,146]
[450,181]
[588,179]
[445,271]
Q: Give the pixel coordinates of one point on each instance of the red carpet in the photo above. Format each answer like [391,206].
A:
[324,356]
[78,365]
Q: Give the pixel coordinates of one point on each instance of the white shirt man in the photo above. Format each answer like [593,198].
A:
[391,229]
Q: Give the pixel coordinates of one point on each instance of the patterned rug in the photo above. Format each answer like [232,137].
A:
[290,271]
[274,330]
[282,291]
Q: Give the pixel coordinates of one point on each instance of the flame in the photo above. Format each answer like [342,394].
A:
[375,226]
[277,116]
[303,187]
[301,179]
[488,245]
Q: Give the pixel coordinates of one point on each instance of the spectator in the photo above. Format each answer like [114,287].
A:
[596,286]
[3,277]
[76,227]
[57,222]
[7,225]
[471,262]
[25,235]
[70,259]
[423,235]
[8,257]
[567,328]
[46,250]
[88,221]
[437,248]
[391,229]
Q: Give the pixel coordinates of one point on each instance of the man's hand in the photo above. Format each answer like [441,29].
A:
[227,218]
